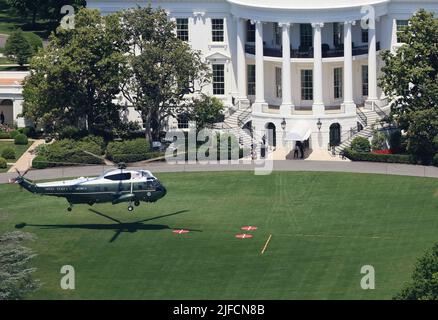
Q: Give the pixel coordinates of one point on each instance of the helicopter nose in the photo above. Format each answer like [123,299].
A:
[162,190]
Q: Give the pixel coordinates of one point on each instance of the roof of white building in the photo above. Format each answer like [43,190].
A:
[310,4]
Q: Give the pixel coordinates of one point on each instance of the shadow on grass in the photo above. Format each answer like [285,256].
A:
[119,227]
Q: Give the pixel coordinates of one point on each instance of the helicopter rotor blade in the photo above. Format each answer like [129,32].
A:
[108,162]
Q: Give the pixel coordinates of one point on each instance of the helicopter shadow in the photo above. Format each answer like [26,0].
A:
[118,226]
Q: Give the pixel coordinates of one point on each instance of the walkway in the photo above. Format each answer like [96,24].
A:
[25,161]
[283,165]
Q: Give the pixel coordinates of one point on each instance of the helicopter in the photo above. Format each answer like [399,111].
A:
[113,186]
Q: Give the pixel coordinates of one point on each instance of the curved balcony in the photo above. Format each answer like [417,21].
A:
[304,53]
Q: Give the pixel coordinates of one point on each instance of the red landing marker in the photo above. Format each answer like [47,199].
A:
[180,231]
[244,236]
[249,228]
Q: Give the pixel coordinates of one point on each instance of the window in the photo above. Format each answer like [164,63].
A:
[277,34]
[250,32]
[338,34]
[218,79]
[251,79]
[183,121]
[401,28]
[306,84]
[365,33]
[278,79]
[119,176]
[306,37]
[365,80]
[182,29]
[337,83]
[217,27]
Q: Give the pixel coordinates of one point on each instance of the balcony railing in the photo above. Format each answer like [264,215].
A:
[327,52]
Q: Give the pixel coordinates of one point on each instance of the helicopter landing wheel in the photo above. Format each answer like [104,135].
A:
[130,208]
[69,209]
[137,203]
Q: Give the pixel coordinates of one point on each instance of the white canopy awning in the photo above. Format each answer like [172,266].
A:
[300,132]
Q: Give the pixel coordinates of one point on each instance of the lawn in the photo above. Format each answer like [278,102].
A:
[19,149]
[324,226]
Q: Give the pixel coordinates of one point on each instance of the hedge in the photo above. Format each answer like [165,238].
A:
[373,157]
[435,160]
[8,153]
[3,163]
[21,139]
[71,152]
[40,162]
[5,135]
[129,151]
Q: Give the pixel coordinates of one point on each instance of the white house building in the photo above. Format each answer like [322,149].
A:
[307,70]
[301,68]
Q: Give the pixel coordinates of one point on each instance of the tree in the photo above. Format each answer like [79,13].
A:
[163,71]
[18,48]
[76,79]
[410,80]
[424,285]
[207,111]
[27,8]
[15,273]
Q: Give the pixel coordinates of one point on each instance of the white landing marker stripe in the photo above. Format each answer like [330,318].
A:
[266,244]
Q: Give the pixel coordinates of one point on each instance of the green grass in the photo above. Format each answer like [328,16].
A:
[19,149]
[324,226]
[4,60]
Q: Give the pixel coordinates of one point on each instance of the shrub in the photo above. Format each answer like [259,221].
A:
[128,151]
[8,153]
[3,163]
[34,40]
[373,157]
[40,162]
[5,135]
[70,152]
[379,141]
[71,132]
[435,160]
[28,131]
[14,133]
[21,139]
[395,141]
[360,144]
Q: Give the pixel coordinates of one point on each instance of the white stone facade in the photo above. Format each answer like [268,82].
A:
[309,56]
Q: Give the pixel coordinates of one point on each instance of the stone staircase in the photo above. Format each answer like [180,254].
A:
[233,124]
[368,118]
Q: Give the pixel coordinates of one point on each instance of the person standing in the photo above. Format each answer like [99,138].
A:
[2,118]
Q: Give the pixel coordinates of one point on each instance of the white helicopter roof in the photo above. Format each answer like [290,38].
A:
[135,175]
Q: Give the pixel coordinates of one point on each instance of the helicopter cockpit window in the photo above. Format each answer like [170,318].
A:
[147,174]
[119,176]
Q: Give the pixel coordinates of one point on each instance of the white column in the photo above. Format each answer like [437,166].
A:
[318,104]
[17,109]
[285,108]
[260,78]
[372,64]
[241,61]
[348,104]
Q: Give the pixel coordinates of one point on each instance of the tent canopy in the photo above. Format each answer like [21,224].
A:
[300,132]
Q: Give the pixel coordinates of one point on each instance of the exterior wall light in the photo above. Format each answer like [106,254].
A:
[319,124]
[283,124]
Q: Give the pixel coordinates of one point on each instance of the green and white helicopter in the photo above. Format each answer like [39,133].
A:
[115,186]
